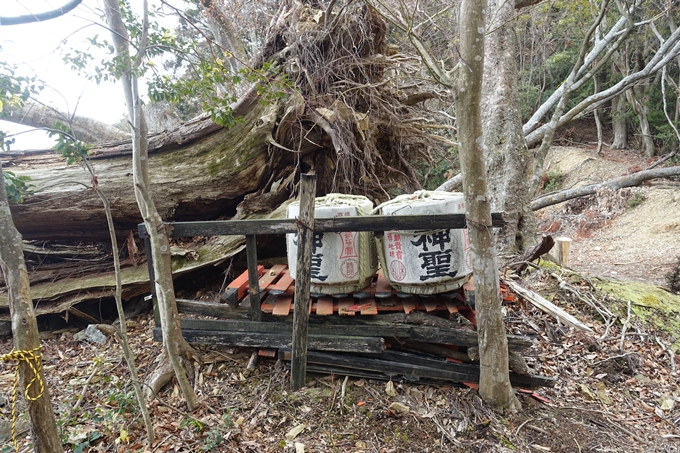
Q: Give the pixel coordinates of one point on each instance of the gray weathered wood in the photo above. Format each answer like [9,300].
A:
[338,224]
[196,307]
[392,364]
[455,337]
[305,235]
[362,344]
[254,287]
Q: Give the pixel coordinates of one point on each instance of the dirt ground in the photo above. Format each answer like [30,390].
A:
[617,390]
[634,235]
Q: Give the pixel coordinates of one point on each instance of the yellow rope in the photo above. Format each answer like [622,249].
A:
[33,360]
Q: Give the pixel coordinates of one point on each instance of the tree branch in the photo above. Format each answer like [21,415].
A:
[618,183]
[40,17]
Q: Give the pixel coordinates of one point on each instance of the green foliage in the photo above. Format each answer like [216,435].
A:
[553,180]
[89,441]
[191,75]
[17,187]
[192,423]
[15,89]
[214,437]
[74,151]
[635,200]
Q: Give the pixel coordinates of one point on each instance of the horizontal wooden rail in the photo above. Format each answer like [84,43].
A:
[336,224]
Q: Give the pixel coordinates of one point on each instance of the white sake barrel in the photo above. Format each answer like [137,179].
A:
[341,262]
[425,261]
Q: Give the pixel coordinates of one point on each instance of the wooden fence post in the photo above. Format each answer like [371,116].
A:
[253,278]
[305,236]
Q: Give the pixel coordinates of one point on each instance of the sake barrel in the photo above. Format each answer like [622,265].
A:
[341,262]
[425,261]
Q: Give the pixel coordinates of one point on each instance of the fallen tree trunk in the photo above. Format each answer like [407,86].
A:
[618,183]
[199,171]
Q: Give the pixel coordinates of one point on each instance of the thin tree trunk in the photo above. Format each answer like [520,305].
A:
[174,343]
[494,381]
[25,333]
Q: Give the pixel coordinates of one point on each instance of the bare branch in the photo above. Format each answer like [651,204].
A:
[40,17]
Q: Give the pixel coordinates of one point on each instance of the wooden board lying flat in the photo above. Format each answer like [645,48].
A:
[320,342]
[459,337]
[344,304]
[284,283]
[282,305]
[270,276]
[238,288]
[324,306]
[391,364]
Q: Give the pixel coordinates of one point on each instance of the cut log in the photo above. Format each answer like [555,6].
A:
[562,249]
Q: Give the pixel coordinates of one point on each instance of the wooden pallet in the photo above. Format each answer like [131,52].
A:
[278,288]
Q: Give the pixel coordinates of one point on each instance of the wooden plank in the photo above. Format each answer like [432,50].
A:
[273,340]
[452,306]
[336,224]
[237,289]
[409,304]
[282,305]
[343,305]
[271,275]
[267,306]
[359,327]
[283,284]
[305,235]
[372,308]
[430,303]
[394,363]
[382,287]
[324,306]
[197,307]
[253,278]
[388,305]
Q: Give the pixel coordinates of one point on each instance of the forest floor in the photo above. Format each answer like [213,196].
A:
[617,390]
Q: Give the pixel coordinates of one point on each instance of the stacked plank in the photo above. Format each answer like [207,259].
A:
[376,333]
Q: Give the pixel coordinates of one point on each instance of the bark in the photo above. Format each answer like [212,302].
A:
[619,124]
[618,183]
[175,345]
[494,383]
[639,97]
[200,171]
[508,161]
[25,333]
[86,130]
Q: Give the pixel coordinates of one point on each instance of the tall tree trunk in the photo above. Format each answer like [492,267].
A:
[619,124]
[508,161]
[638,98]
[175,345]
[494,381]
[25,333]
